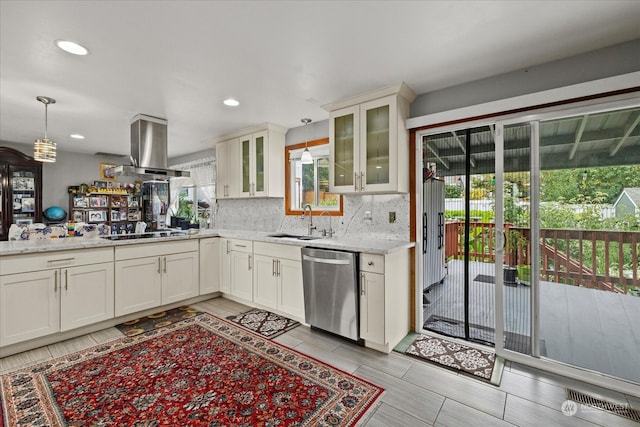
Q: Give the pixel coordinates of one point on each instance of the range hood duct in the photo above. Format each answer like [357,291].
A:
[148,150]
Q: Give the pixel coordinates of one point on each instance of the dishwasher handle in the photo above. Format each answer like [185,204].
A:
[325,260]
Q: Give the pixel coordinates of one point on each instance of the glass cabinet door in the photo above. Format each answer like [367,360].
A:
[23,195]
[377,154]
[344,131]
[246,165]
[259,164]
[379,145]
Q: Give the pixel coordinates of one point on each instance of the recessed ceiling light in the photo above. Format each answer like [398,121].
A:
[77,136]
[72,47]
[231,102]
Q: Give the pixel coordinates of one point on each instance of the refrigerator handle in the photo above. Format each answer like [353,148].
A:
[424,233]
[440,229]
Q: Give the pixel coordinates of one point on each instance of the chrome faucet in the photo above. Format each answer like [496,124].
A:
[329,231]
[311,226]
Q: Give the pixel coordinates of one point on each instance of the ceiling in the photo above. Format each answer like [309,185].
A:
[282,60]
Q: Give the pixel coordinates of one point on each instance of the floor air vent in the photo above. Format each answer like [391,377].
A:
[620,409]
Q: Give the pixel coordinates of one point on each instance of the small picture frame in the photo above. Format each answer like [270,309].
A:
[22,183]
[97,216]
[28,204]
[106,171]
[100,185]
[80,202]
[24,221]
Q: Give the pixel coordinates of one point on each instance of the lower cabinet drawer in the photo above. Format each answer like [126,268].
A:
[372,263]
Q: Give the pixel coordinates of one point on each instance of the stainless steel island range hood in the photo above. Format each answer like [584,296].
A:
[148,150]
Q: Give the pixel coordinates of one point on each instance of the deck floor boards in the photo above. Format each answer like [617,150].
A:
[589,328]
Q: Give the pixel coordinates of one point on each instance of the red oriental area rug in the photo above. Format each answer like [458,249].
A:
[203,371]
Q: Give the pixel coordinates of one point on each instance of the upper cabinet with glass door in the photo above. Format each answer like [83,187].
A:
[369,144]
[258,154]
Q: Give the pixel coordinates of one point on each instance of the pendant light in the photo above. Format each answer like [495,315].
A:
[44,150]
[306,158]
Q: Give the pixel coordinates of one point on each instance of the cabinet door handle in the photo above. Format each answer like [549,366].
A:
[165,264]
[228,243]
[361,181]
[273,267]
[249,259]
[362,285]
[66,280]
[55,281]
[159,261]
[278,268]
[355,181]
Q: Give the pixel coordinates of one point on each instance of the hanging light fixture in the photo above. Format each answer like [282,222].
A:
[306,158]
[44,150]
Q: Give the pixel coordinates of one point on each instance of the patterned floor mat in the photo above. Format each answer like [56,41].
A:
[478,363]
[267,324]
[157,320]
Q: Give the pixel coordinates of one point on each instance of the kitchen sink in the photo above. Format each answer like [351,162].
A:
[293,236]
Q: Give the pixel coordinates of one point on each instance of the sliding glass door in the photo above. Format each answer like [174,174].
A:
[573,234]
[541,237]
[458,234]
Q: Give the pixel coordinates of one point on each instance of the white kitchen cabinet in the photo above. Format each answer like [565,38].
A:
[265,291]
[384,299]
[138,284]
[262,163]
[291,295]
[372,323]
[250,162]
[210,263]
[237,269]
[29,306]
[180,278]
[368,142]
[227,177]
[154,274]
[86,295]
[41,294]
[278,279]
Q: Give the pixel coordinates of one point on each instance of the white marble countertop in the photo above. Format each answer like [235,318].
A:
[375,246]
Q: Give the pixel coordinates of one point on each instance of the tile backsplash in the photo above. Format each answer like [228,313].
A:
[365,216]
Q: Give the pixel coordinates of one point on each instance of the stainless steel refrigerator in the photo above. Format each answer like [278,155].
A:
[155,203]
[433,247]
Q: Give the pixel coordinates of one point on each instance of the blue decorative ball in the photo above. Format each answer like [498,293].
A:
[54,213]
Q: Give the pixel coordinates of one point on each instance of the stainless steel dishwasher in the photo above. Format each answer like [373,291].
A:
[331,297]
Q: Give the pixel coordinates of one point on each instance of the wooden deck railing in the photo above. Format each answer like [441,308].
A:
[599,259]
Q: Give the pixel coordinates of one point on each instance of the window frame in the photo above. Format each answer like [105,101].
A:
[287,177]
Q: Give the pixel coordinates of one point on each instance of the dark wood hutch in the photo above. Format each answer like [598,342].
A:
[20,190]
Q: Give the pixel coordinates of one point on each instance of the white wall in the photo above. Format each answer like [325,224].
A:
[598,64]
[69,169]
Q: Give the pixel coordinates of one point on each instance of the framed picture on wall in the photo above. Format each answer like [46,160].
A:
[106,171]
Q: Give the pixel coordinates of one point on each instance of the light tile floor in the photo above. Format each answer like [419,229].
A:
[417,393]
